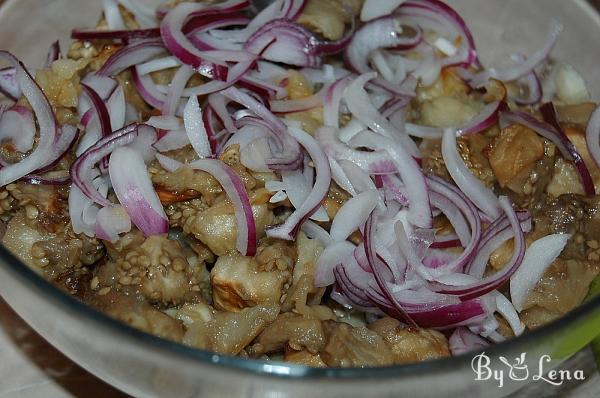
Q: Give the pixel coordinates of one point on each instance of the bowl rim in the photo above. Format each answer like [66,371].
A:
[279,369]
[276,369]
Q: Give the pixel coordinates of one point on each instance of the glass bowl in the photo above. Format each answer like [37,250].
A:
[147,366]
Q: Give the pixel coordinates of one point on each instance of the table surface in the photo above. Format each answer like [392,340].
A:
[31,367]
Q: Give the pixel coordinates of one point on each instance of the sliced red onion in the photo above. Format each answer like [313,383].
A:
[8,83]
[82,210]
[333,255]
[447,198]
[430,68]
[376,162]
[100,110]
[203,31]
[551,117]
[117,108]
[530,84]
[261,87]
[296,105]
[133,187]
[592,136]
[173,139]
[62,146]
[278,9]
[158,64]
[50,178]
[483,197]
[144,142]
[496,235]
[112,221]
[289,229]
[81,169]
[507,310]
[361,107]
[490,283]
[484,120]
[394,186]
[103,85]
[353,214]
[18,126]
[361,181]
[169,164]
[53,54]
[287,154]
[218,104]
[114,34]
[45,151]
[518,71]
[165,122]
[194,127]
[234,187]
[298,185]
[182,76]
[487,118]
[463,341]
[410,173]
[538,257]
[235,74]
[181,47]
[544,129]
[147,89]
[315,231]
[132,54]
[282,40]
[440,17]
[384,32]
[332,102]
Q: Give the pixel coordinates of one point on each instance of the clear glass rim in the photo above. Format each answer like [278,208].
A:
[274,368]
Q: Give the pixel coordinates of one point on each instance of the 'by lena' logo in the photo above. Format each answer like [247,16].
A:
[518,370]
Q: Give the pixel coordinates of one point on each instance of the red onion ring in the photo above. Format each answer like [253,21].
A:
[289,229]
[194,127]
[518,71]
[288,155]
[54,53]
[359,104]
[376,162]
[410,173]
[132,54]
[551,117]
[530,83]
[81,168]
[383,32]
[45,151]
[181,47]
[445,14]
[284,41]
[463,341]
[496,280]
[133,187]
[236,191]
[538,257]
[482,196]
